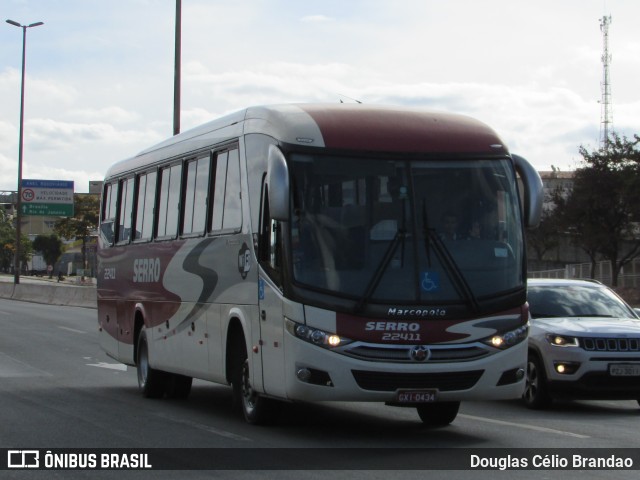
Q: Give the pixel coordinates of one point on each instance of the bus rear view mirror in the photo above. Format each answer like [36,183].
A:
[278,184]
[533,191]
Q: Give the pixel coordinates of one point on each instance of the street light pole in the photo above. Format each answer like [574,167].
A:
[177,67]
[16,278]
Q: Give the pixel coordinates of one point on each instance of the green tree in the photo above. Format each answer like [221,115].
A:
[50,246]
[604,205]
[8,243]
[547,236]
[83,223]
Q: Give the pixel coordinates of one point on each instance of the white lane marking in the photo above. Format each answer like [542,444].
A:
[206,428]
[12,367]
[111,366]
[525,426]
[71,329]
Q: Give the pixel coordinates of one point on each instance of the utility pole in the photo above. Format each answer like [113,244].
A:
[176,74]
[606,116]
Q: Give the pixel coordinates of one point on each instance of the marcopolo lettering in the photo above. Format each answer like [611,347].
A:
[416,312]
[146,270]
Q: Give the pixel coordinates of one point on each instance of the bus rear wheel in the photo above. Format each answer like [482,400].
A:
[152,382]
[438,414]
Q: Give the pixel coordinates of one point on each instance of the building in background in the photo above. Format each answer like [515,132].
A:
[34,225]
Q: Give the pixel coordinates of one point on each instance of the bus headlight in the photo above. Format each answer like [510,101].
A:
[508,339]
[315,335]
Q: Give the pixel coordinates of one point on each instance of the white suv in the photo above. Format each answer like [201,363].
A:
[584,343]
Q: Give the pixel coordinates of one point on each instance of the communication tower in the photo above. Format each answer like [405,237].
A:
[606,115]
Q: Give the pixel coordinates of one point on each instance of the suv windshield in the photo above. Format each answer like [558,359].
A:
[388,231]
[575,301]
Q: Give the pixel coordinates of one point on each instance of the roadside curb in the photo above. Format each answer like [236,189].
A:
[79,296]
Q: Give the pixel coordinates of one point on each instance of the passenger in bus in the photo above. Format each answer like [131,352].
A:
[475,231]
[449,227]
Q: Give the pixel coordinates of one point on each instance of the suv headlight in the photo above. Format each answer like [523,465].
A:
[562,340]
[508,339]
[315,335]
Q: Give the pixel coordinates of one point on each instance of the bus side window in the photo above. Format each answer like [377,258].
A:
[109,203]
[227,208]
[218,192]
[195,196]
[232,219]
[144,212]
[270,241]
[169,202]
[126,208]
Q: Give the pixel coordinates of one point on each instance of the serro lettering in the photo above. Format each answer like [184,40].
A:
[392,326]
[146,270]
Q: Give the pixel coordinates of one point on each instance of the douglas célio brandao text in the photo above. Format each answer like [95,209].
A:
[550,462]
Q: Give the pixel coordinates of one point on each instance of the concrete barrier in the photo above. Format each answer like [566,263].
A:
[6,290]
[77,296]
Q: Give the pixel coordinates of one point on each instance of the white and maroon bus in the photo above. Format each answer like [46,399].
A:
[321,252]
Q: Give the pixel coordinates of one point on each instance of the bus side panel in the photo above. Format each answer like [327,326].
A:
[126,317]
[127,276]
[165,349]
[108,326]
[217,345]
[108,293]
[272,338]
[195,344]
[203,275]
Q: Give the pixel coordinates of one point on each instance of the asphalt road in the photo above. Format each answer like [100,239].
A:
[59,390]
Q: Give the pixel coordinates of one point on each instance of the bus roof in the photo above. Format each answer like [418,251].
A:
[337,126]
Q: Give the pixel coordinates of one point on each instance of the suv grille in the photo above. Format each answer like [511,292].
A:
[611,344]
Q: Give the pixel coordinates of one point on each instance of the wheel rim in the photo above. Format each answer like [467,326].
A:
[249,397]
[532,382]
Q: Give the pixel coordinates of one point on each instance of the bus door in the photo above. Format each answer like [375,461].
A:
[271,302]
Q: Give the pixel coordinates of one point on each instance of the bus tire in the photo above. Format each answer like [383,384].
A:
[535,395]
[152,382]
[256,409]
[438,414]
[178,386]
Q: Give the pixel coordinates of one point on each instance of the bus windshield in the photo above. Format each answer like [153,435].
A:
[406,231]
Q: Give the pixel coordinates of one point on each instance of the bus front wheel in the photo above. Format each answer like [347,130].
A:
[152,382]
[257,409]
[438,414]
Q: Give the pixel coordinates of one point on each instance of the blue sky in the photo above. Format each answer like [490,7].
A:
[100,73]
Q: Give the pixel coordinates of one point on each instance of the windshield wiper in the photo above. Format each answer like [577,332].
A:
[400,236]
[451,267]
[574,315]
[381,268]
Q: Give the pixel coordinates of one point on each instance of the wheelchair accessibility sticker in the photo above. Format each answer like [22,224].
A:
[430,281]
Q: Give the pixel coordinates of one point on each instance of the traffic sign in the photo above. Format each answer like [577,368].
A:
[47,198]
